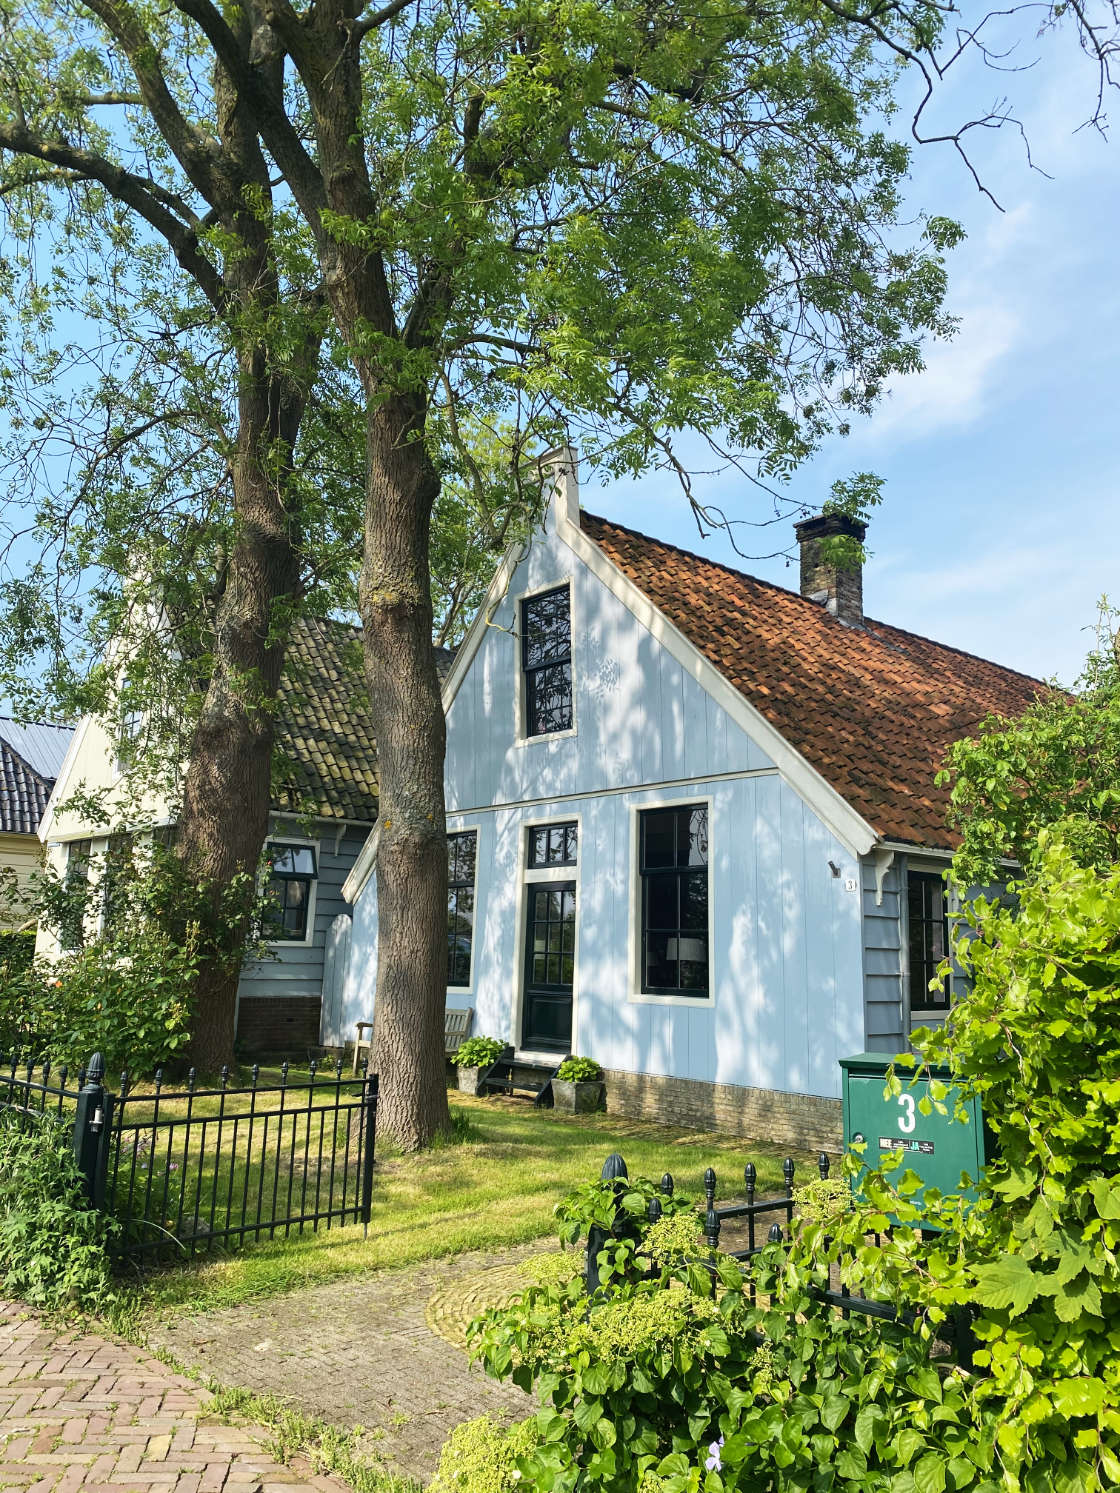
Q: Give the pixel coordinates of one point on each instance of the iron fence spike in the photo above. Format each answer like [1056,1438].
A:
[824,1165]
[775,1236]
[667,1184]
[614,1167]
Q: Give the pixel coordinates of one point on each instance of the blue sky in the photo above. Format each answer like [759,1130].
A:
[1000,526]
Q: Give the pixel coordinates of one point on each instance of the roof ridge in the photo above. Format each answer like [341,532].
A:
[817,608]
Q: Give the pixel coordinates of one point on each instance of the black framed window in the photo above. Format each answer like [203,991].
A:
[462,854]
[546,660]
[928,926]
[292,871]
[673,870]
[553,845]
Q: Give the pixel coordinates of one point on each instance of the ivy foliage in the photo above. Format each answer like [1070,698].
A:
[53,1244]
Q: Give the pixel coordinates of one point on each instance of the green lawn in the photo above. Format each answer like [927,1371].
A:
[494,1189]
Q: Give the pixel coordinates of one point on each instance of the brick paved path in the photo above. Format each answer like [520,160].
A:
[81,1414]
[370,1352]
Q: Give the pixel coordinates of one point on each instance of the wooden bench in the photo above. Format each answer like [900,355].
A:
[456,1028]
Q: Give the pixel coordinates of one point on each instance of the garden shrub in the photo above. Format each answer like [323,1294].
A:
[481,1457]
[128,998]
[685,1380]
[54,1246]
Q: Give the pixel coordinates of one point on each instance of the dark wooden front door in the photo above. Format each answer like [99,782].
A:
[550,947]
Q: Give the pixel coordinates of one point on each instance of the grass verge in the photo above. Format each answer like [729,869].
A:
[494,1188]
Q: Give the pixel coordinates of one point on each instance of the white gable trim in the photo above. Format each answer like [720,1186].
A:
[61,783]
[850,828]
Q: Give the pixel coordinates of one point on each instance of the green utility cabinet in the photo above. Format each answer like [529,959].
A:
[938,1147]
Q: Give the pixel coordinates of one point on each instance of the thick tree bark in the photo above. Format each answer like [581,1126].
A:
[407,711]
[227,789]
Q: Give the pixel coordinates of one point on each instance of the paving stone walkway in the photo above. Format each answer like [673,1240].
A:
[383,1352]
[82,1414]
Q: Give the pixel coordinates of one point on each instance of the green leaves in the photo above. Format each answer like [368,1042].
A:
[1009,1283]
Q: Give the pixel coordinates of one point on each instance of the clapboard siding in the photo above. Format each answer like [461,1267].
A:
[882,958]
[297,969]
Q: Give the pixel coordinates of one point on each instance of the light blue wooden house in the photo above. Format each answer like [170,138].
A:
[693,826]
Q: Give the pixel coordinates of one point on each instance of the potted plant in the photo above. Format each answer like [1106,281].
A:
[577,1088]
[473,1057]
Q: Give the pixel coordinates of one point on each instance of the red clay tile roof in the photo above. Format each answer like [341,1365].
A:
[872,708]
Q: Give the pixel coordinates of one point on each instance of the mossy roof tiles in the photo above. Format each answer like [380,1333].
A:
[873,708]
[325,762]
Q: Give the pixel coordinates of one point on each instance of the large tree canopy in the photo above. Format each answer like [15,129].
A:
[541,219]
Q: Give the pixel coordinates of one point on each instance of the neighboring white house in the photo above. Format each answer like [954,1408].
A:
[693,826]
[324,804]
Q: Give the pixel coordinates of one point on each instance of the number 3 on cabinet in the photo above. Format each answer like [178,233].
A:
[906,1120]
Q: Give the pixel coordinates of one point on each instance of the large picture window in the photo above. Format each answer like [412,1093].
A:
[462,854]
[291,879]
[928,920]
[673,870]
[546,660]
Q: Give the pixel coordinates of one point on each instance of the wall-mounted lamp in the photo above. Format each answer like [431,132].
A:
[834,868]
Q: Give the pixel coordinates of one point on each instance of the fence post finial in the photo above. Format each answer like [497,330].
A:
[613,1167]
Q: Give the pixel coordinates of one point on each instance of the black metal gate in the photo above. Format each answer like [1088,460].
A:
[189,1169]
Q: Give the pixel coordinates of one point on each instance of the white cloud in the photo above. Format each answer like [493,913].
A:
[958,382]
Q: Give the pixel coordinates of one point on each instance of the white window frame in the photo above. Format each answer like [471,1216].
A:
[462,829]
[521,739]
[535,875]
[297,843]
[636,996]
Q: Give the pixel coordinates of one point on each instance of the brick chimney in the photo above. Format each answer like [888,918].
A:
[841,591]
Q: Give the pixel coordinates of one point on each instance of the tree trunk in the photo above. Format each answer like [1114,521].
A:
[227,790]
[407,711]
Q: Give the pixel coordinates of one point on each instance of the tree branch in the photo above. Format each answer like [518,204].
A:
[276,129]
[134,192]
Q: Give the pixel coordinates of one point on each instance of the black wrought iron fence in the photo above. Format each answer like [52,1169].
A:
[188,1169]
[37,1089]
[747,1220]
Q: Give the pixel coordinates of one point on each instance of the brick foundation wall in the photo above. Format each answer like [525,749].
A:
[278,1026]
[801,1121]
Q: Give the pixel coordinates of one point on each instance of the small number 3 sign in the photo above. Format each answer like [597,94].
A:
[906,1120]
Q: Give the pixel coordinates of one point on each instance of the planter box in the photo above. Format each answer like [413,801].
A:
[468,1079]
[576,1098]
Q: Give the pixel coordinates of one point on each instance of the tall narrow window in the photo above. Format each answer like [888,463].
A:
[291,879]
[462,854]
[115,875]
[673,866]
[546,659]
[929,940]
[71,923]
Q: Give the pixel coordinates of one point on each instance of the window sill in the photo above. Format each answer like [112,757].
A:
[524,741]
[701,1002]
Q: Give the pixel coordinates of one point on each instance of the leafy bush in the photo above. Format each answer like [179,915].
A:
[128,999]
[480,1457]
[478,1052]
[53,1244]
[579,1070]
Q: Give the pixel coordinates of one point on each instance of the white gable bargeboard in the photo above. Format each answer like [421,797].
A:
[785,964]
